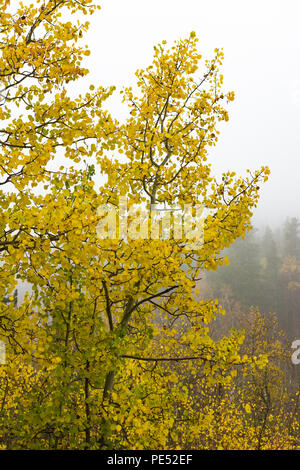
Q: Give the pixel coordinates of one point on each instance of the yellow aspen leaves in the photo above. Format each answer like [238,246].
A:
[247,408]
[98,350]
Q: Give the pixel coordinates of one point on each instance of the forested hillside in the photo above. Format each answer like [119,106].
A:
[264,271]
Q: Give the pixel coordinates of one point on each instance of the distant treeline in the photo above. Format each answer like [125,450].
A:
[264,272]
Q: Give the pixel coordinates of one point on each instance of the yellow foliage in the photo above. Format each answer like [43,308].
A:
[90,349]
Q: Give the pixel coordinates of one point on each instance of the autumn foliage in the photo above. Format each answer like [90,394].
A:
[111,347]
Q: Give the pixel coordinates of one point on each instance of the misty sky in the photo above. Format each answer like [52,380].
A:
[261,41]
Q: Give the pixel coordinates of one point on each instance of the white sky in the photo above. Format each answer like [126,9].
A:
[261,41]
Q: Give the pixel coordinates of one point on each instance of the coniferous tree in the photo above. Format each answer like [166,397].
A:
[292,237]
[270,268]
[243,274]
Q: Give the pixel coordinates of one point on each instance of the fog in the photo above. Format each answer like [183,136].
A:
[262,64]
